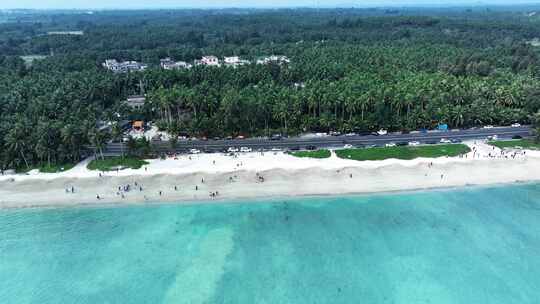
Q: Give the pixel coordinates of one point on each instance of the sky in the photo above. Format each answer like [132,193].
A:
[133,4]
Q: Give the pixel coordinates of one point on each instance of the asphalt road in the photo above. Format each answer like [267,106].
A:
[328,141]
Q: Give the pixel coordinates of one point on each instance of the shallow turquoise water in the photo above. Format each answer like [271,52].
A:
[474,245]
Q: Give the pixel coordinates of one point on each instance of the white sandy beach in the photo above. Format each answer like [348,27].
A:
[284,175]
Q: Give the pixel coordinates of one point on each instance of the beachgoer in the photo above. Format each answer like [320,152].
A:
[160,193]
[97,196]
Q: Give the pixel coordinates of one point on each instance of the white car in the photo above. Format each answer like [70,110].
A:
[275,149]
[232,150]
[414,143]
[445,141]
[382,132]
[488,127]
[348,146]
[245,149]
[515,125]
[194,151]
[390,144]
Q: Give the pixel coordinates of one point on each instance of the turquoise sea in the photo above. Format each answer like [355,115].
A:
[467,245]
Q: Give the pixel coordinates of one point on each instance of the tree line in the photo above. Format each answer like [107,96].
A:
[349,71]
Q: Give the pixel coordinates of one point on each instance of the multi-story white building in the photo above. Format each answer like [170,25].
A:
[169,64]
[274,59]
[235,61]
[123,67]
[210,61]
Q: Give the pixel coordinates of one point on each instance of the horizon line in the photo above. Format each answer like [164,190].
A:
[264,7]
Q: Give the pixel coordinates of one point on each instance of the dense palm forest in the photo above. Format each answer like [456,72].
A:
[350,70]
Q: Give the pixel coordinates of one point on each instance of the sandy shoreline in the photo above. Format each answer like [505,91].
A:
[195,177]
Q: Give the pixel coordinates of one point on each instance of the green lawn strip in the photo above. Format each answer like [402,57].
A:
[312,154]
[518,143]
[408,152]
[113,163]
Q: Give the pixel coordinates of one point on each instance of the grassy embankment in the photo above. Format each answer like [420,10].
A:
[323,153]
[519,143]
[407,152]
[116,162]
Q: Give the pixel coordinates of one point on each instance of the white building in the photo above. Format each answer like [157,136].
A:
[274,59]
[123,67]
[210,61]
[136,102]
[235,61]
[169,64]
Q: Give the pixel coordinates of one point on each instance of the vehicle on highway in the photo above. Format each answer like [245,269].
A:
[275,149]
[311,147]
[232,149]
[391,144]
[229,137]
[240,137]
[194,151]
[245,149]
[348,146]
[295,148]
[515,125]
[276,137]
[335,133]
[350,134]
[494,137]
[517,137]
[455,140]
[382,132]
[402,143]
[414,143]
[445,141]
[488,127]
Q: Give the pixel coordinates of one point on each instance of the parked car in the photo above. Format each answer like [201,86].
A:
[445,141]
[232,149]
[194,151]
[382,132]
[245,149]
[515,125]
[311,148]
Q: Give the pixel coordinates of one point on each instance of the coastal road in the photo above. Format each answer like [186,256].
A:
[329,141]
